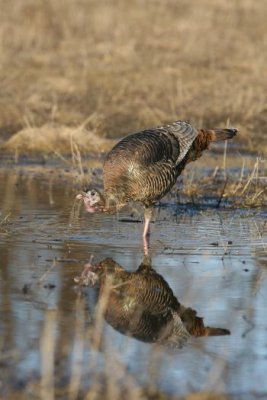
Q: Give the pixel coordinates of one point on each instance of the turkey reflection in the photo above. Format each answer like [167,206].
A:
[141,304]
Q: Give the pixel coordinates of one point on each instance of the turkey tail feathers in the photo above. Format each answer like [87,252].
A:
[222,134]
[216,331]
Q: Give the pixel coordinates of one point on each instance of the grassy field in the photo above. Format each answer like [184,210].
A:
[77,73]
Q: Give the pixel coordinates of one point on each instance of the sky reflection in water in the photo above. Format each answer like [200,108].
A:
[213,260]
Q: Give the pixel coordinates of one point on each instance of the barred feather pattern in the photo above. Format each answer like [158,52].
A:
[142,304]
[145,165]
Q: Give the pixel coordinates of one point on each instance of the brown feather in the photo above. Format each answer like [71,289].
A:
[141,304]
[144,166]
[205,137]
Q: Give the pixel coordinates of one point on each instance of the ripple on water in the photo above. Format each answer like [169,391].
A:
[214,260]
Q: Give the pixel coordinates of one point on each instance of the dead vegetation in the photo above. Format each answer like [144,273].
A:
[58,140]
[242,184]
[216,181]
[113,68]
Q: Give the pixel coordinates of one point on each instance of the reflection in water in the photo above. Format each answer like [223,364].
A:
[203,253]
[142,305]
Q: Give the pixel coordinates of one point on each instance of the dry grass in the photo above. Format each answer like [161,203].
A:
[57,140]
[115,67]
[245,185]
[4,219]
[232,181]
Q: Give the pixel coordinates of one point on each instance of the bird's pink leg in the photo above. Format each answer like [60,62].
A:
[146,232]
[146,245]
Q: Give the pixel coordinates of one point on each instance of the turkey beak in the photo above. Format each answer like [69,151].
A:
[88,277]
[80,196]
[87,202]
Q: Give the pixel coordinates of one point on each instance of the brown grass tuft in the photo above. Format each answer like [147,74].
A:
[134,65]
[56,139]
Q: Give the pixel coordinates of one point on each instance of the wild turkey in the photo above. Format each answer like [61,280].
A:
[142,305]
[144,166]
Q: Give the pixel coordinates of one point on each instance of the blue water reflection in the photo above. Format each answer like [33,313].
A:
[214,261]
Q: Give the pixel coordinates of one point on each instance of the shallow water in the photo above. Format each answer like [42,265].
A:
[214,260]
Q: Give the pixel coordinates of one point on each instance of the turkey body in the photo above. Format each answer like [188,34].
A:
[141,304]
[144,166]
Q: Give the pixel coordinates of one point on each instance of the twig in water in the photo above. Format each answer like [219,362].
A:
[43,277]
[224,158]
[250,328]
[5,219]
[47,350]
[78,350]
[240,178]
[223,191]
[250,179]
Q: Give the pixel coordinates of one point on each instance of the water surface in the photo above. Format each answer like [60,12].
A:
[215,261]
